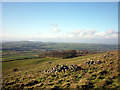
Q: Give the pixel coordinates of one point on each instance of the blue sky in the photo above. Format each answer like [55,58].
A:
[89,22]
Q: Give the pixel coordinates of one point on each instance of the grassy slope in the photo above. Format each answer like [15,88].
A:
[29,72]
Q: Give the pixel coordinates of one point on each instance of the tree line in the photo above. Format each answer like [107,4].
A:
[66,53]
[60,54]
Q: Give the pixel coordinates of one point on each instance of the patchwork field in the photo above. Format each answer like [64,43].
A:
[34,73]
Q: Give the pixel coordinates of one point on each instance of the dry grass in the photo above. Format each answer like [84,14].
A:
[28,73]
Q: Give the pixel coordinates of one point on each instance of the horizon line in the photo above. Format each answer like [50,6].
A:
[52,42]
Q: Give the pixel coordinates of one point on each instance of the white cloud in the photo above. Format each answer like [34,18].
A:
[90,32]
[77,31]
[70,35]
[111,32]
[93,34]
[73,36]
[80,34]
[55,28]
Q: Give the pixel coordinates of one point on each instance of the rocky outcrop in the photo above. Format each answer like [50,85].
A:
[94,62]
[108,55]
[63,68]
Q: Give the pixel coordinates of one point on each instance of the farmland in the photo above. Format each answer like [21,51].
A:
[29,49]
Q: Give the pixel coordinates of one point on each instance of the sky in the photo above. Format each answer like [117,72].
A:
[77,22]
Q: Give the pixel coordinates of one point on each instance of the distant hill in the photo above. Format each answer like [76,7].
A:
[51,46]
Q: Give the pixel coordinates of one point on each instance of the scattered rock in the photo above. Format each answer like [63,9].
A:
[98,62]
[49,63]
[33,82]
[63,68]
[15,70]
[94,62]
[107,55]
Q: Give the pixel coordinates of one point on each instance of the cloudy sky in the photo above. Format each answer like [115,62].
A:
[78,22]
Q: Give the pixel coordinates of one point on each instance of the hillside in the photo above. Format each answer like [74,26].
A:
[91,71]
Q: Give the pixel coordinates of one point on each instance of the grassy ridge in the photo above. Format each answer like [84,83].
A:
[29,73]
[40,61]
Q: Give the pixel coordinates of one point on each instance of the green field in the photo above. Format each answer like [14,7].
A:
[28,49]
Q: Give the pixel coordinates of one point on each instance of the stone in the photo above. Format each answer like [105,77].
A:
[63,68]
[15,70]
[49,63]
[93,62]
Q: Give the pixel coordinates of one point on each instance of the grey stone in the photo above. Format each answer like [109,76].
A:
[63,68]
